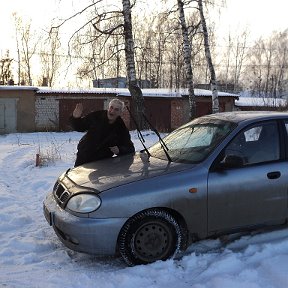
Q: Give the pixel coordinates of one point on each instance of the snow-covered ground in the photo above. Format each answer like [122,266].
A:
[32,256]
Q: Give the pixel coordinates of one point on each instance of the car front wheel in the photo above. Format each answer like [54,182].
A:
[149,236]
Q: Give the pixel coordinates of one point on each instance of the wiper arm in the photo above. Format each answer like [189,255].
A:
[162,143]
[139,134]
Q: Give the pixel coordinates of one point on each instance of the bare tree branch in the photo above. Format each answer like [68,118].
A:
[76,14]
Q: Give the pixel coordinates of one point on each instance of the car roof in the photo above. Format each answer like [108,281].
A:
[240,116]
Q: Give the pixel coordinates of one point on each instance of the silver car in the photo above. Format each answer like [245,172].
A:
[218,174]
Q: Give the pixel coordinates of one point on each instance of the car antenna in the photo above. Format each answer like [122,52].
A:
[139,134]
[164,146]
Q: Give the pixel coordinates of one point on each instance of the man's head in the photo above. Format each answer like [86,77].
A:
[115,109]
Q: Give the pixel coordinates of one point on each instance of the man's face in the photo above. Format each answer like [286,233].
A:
[114,111]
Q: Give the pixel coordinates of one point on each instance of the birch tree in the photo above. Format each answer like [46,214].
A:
[50,59]
[125,29]
[234,60]
[215,101]
[133,86]
[267,73]
[26,46]
[239,56]
[100,55]
[187,60]
[156,46]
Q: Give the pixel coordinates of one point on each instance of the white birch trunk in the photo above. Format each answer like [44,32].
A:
[187,60]
[215,101]
[134,89]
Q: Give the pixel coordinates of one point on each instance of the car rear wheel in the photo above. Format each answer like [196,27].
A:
[149,236]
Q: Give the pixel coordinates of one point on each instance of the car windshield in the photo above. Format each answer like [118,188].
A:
[192,142]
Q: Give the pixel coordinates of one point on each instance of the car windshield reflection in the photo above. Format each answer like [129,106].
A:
[193,142]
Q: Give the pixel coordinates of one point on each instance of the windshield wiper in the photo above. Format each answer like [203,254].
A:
[139,134]
[162,143]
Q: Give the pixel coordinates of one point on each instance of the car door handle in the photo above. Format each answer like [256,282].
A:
[274,175]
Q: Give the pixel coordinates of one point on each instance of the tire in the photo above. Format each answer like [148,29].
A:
[149,236]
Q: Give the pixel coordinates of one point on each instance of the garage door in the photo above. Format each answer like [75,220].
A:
[2,118]
[8,123]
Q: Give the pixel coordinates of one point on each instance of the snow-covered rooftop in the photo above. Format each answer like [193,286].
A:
[151,92]
[15,87]
[145,92]
[260,102]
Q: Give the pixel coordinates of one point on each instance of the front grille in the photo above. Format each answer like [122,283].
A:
[61,195]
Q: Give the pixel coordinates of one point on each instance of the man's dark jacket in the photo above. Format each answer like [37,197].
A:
[100,135]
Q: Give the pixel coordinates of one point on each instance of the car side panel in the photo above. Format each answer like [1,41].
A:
[246,197]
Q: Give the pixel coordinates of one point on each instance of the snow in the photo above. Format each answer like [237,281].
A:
[32,256]
[148,92]
[261,102]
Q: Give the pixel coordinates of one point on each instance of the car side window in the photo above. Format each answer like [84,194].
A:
[286,125]
[256,144]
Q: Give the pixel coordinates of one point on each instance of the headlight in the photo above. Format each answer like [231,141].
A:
[84,203]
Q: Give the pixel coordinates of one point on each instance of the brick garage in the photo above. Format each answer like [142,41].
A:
[29,109]
[53,107]
[165,109]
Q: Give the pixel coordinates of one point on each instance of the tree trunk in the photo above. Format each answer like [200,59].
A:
[215,102]
[134,89]
[187,61]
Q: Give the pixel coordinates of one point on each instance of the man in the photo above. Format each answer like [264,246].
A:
[106,133]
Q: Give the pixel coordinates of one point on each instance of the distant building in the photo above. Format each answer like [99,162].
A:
[223,87]
[118,82]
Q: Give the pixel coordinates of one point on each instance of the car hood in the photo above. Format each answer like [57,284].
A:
[108,173]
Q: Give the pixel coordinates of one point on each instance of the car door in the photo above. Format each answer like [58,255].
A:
[253,192]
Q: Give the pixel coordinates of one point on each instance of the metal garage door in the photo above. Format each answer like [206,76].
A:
[2,118]
[8,123]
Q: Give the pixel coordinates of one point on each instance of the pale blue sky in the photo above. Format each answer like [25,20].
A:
[260,16]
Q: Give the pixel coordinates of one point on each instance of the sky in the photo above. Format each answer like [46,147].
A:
[261,16]
[32,256]
[39,13]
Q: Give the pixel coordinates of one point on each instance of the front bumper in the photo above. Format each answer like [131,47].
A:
[89,235]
